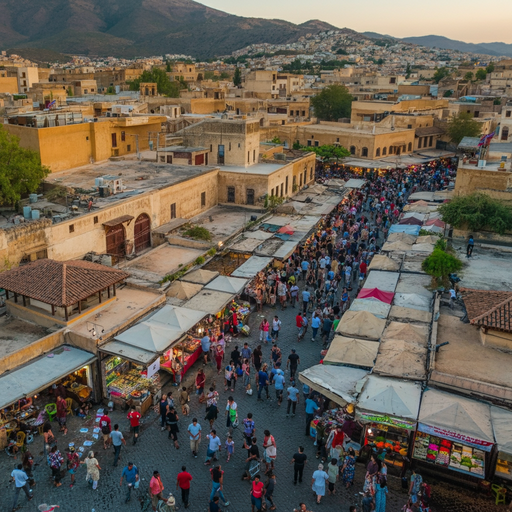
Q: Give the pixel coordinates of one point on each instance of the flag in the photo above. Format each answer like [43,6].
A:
[486,139]
[50,105]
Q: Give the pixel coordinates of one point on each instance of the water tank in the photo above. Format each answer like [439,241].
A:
[151,145]
[33,198]
[35,214]
[26,212]
[98,182]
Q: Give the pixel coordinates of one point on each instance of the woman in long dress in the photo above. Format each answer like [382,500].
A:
[349,468]
[380,496]
[318,482]
[93,469]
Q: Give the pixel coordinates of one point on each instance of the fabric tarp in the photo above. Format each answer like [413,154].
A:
[340,384]
[374,306]
[416,215]
[42,372]
[412,300]
[251,267]
[381,262]
[135,354]
[435,221]
[177,318]
[401,237]
[351,351]
[392,397]
[385,281]
[354,183]
[456,414]
[183,290]
[409,315]
[361,324]
[413,283]
[411,221]
[418,207]
[407,332]
[227,284]
[401,358]
[433,228]
[376,293]
[427,239]
[209,301]
[404,228]
[502,428]
[287,229]
[200,276]
[427,248]
[396,246]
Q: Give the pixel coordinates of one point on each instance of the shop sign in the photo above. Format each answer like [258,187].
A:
[387,420]
[153,368]
[456,437]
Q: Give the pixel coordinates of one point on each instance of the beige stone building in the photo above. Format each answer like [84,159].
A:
[27,77]
[271,84]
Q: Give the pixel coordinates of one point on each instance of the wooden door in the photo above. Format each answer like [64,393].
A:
[142,232]
[116,240]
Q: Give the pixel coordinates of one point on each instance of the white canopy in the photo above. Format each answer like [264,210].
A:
[227,284]
[414,283]
[340,384]
[456,415]
[209,301]
[352,351]
[385,281]
[412,300]
[138,355]
[392,397]
[41,373]
[200,276]
[183,290]
[354,183]
[177,318]
[251,267]
[374,306]
[502,427]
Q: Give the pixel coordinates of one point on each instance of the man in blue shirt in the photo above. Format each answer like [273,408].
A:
[279,386]
[131,475]
[263,382]
[316,322]
[305,267]
[293,398]
[20,481]
[311,408]
[205,345]
[305,299]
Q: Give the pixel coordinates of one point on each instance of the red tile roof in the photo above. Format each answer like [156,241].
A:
[61,283]
[491,309]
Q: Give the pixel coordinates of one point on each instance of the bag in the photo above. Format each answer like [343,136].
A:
[136,484]
[105,430]
[240,372]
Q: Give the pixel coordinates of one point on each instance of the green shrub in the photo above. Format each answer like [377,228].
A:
[212,252]
[198,233]
[440,265]
[199,260]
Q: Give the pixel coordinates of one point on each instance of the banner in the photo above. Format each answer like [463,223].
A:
[153,368]
[387,420]
[456,437]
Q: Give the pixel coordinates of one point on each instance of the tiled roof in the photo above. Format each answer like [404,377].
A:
[61,283]
[491,309]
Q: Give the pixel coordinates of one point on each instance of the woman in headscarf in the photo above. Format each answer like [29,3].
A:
[93,469]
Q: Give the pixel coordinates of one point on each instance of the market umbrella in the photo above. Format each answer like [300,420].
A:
[183,290]
[288,230]
[227,284]
[181,319]
[153,337]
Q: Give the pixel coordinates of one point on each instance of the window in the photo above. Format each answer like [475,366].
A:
[282,187]
[352,150]
[211,148]
[384,151]
[162,159]
[476,114]
[337,139]
[430,141]
[286,186]
[409,146]
[300,180]
[114,140]
[248,157]
[254,155]
[173,211]
[377,153]
[230,146]
[419,142]
[303,113]
[364,152]
[203,199]
[231,194]
[508,113]
[311,173]
[309,143]
[128,147]
[95,219]
[71,228]
[123,136]
[86,138]
[504,133]
[250,196]
[294,185]
[392,80]
[409,126]
[239,145]
[316,143]
[390,151]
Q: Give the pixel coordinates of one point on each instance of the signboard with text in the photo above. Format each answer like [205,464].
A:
[387,420]
[153,368]
[456,437]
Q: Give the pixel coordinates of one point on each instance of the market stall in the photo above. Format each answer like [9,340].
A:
[413,300]
[200,276]
[351,352]
[388,408]
[377,294]
[383,281]
[454,433]
[361,324]
[405,228]
[227,284]
[374,306]
[252,267]
[502,428]
[396,246]
[381,262]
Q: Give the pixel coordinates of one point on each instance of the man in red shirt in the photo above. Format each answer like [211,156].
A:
[106,428]
[183,482]
[134,418]
[155,489]
[362,270]
[299,323]
[256,494]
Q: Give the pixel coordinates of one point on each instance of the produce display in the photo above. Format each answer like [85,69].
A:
[132,385]
[391,440]
[190,345]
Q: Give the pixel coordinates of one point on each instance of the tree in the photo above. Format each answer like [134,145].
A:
[440,74]
[408,71]
[163,84]
[477,212]
[21,171]
[168,67]
[469,76]
[328,152]
[447,93]
[463,125]
[237,78]
[440,264]
[481,74]
[332,103]
[490,68]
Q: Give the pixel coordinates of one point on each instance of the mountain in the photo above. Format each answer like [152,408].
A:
[129,28]
[494,49]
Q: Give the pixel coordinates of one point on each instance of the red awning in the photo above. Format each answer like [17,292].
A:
[286,229]
[435,222]
[375,293]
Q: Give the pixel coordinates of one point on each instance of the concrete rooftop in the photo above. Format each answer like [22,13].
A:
[16,334]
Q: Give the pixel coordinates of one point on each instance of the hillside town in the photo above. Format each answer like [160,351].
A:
[277,279]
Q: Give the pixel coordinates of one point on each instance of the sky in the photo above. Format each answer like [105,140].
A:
[464,20]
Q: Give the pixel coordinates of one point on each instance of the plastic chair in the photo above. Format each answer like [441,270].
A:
[69,405]
[20,439]
[500,493]
[51,410]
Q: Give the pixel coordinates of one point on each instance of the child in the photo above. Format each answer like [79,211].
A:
[230,447]
[185,408]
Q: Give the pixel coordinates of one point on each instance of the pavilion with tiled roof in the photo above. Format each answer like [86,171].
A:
[61,284]
[489,309]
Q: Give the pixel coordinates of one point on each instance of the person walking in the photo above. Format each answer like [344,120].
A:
[268,490]
[172,422]
[231,414]
[263,382]
[117,441]
[184,399]
[311,408]
[214,446]
[62,407]
[217,476]
[163,406]
[299,460]
[333,472]
[49,439]
[348,469]
[279,382]
[73,464]
[20,479]
[380,496]
[270,451]
[93,469]
[293,362]
[318,482]
[471,244]
[56,460]
[134,417]
[256,494]
[131,475]
[194,431]
[183,482]
[200,382]
[156,488]
[253,459]
[206,344]
[276,327]
[293,399]
[256,358]
[249,429]
[106,428]
[264,328]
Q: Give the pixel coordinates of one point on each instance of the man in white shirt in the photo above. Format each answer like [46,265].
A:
[214,445]
[276,327]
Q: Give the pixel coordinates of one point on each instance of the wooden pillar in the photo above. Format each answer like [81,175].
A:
[108,291]
[66,313]
[7,294]
[16,298]
[53,310]
[24,301]
[99,295]
[79,307]
[114,288]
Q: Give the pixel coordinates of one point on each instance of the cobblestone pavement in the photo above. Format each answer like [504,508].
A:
[155,451]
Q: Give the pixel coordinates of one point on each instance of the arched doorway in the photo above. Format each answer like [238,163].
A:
[142,232]
[116,238]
